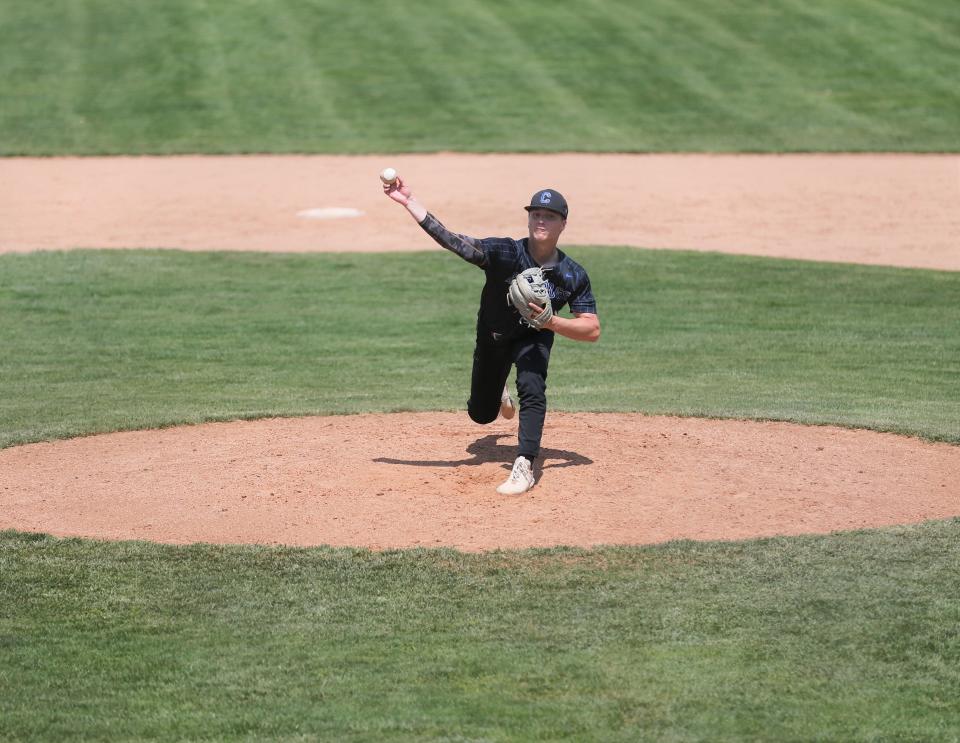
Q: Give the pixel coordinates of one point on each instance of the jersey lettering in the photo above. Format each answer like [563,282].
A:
[557,294]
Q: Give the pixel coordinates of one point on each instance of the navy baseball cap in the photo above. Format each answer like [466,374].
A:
[549,199]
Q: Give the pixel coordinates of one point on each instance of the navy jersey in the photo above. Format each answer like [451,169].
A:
[502,258]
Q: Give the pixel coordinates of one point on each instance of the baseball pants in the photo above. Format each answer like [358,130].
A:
[492,360]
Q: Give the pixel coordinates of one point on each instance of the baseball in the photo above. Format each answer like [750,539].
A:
[389,175]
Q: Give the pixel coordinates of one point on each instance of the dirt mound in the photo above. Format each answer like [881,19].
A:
[428,479]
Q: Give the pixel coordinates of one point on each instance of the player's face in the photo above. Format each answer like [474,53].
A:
[545,225]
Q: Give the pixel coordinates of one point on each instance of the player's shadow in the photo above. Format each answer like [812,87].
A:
[489,449]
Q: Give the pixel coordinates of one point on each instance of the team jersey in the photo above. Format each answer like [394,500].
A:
[502,258]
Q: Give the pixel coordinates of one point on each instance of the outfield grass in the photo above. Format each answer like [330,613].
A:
[106,340]
[124,76]
[848,637]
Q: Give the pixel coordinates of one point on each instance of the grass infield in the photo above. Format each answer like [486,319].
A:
[128,77]
[108,340]
[848,637]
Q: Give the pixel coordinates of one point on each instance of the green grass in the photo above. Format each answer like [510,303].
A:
[124,76]
[849,637]
[106,340]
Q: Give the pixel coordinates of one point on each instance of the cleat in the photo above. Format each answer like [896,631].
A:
[520,480]
[507,408]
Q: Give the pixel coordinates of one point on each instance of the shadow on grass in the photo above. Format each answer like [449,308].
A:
[489,449]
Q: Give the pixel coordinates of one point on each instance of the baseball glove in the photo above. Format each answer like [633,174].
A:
[531,286]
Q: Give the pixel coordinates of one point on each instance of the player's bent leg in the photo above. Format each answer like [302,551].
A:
[491,366]
[480,415]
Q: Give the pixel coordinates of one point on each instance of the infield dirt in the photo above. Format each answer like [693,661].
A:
[428,479]
[897,210]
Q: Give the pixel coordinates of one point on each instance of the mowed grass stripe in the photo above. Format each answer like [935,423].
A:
[107,340]
[222,85]
[534,77]
[843,637]
[733,38]
[313,82]
[98,77]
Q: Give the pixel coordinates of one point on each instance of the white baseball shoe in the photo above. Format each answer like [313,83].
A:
[520,480]
[507,408]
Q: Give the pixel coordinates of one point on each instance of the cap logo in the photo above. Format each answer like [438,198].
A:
[545,197]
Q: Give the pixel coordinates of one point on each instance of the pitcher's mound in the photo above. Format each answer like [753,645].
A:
[428,479]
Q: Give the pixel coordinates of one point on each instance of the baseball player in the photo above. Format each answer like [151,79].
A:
[515,331]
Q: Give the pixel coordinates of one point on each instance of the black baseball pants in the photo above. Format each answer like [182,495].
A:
[492,360]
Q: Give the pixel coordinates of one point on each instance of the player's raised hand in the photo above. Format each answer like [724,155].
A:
[398,191]
[395,188]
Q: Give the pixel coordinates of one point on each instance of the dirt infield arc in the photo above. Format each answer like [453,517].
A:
[898,210]
[427,479]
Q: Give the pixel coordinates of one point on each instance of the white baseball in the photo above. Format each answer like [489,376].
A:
[389,175]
